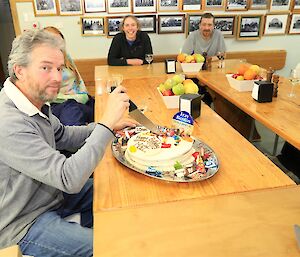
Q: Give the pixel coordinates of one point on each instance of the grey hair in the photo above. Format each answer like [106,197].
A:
[24,44]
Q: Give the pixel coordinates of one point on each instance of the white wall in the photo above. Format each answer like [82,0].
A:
[97,47]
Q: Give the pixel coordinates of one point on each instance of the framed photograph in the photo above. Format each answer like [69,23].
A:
[113,25]
[279,5]
[294,24]
[92,26]
[94,6]
[234,5]
[226,24]
[249,27]
[44,7]
[193,21]
[148,23]
[144,6]
[296,6]
[210,5]
[191,5]
[258,4]
[171,23]
[70,7]
[118,6]
[275,24]
[168,5]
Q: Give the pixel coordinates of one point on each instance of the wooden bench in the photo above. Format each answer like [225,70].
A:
[269,58]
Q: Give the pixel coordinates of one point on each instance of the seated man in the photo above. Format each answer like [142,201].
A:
[39,186]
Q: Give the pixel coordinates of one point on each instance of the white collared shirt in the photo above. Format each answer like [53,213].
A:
[20,100]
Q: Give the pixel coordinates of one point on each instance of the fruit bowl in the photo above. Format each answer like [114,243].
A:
[171,102]
[191,67]
[240,85]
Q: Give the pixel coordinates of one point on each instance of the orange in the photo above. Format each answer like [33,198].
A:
[242,69]
[249,74]
[181,57]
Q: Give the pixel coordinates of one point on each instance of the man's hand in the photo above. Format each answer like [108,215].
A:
[135,62]
[117,104]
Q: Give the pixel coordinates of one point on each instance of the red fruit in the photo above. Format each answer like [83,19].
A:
[167,93]
[235,76]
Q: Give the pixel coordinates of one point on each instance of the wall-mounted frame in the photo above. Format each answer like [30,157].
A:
[118,6]
[296,6]
[279,5]
[171,23]
[249,27]
[113,25]
[92,26]
[144,6]
[168,5]
[226,24]
[147,22]
[193,21]
[210,5]
[70,7]
[233,5]
[294,27]
[44,7]
[258,4]
[275,24]
[191,5]
[92,6]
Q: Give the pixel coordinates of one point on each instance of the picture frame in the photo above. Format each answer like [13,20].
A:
[258,4]
[191,5]
[171,23]
[118,6]
[147,22]
[44,7]
[193,21]
[275,24]
[294,26]
[70,7]
[113,25]
[211,5]
[233,5]
[226,24]
[280,5]
[92,6]
[168,5]
[249,27]
[144,6]
[92,26]
[296,6]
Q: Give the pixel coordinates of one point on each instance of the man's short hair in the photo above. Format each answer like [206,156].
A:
[24,44]
[207,15]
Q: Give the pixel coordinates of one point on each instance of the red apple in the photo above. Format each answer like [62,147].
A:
[167,92]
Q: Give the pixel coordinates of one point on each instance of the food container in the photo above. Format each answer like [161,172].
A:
[240,85]
[171,102]
[191,67]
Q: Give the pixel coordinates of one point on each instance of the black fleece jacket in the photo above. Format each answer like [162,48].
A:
[120,50]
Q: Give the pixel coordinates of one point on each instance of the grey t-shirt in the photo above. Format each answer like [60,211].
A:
[195,43]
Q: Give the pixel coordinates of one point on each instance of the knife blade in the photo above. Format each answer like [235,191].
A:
[136,114]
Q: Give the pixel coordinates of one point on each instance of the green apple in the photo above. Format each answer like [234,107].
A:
[199,58]
[178,79]
[169,83]
[178,89]
[161,87]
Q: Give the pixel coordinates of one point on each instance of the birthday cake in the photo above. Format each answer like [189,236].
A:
[170,155]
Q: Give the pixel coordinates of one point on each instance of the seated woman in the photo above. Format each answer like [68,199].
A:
[73,105]
[130,46]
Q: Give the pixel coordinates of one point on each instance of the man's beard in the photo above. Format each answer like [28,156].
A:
[43,96]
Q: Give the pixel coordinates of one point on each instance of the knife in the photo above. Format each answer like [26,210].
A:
[136,114]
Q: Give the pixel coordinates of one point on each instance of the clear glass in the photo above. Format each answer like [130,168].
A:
[149,58]
[110,83]
[118,78]
[294,80]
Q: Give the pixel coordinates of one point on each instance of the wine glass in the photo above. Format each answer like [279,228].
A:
[118,78]
[149,58]
[294,79]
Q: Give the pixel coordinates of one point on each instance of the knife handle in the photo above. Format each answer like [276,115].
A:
[132,105]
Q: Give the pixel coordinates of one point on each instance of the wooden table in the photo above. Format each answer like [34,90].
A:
[242,166]
[258,223]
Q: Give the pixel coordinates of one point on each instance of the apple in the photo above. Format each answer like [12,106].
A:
[169,83]
[178,89]
[240,77]
[190,87]
[167,92]
[178,79]
[199,58]
[161,87]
